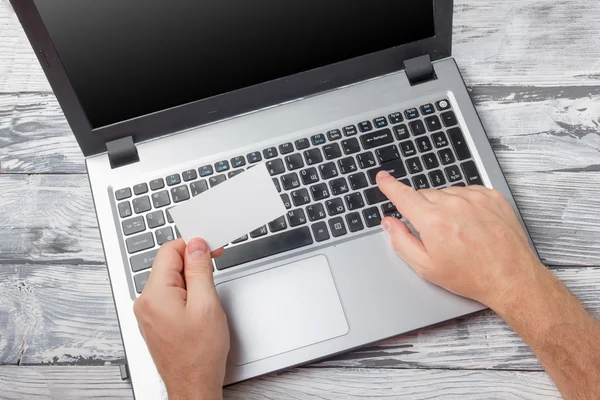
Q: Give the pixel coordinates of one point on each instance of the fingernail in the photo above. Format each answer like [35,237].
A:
[197,247]
[383,174]
[386,225]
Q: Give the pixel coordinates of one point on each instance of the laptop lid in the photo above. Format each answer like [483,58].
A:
[146,69]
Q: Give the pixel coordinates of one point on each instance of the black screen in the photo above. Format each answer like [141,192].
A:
[128,58]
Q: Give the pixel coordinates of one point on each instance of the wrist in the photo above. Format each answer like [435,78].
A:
[192,392]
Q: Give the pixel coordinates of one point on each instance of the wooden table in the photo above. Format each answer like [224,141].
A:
[533,67]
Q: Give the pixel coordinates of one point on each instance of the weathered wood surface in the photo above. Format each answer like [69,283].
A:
[74,383]
[534,70]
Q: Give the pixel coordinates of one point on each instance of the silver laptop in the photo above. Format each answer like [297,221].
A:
[168,99]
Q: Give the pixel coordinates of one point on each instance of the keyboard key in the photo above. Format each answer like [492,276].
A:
[157,184]
[141,204]
[439,140]
[433,123]
[347,165]
[319,191]
[372,217]
[265,247]
[139,243]
[446,156]
[394,168]
[123,194]
[294,162]
[350,130]
[411,113]
[365,126]
[401,132]
[358,181]
[396,118]
[125,209]
[453,174]
[276,167]
[334,134]
[328,170]
[141,280]
[216,180]
[262,231]
[313,156]
[423,144]
[133,225]
[278,225]
[374,196]
[443,105]
[460,145]
[316,212]
[285,199]
[290,181]
[417,127]
[366,160]
[254,157]
[354,222]
[238,162]
[320,231]
[430,161]
[141,262]
[376,139]
[427,109]
[449,119]
[309,176]
[269,153]
[437,178]
[198,187]
[420,182]
[164,235]
[300,197]
[471,173]
[388,207]
[461,184]
[380,122]
[222,166]
[405,182]
[231,174]
[354,201]
[180,193]
[338,186]
[286,148]
[296,217]
[240,239]
[350,146]
[337,226]
[174,179]
[388,153]
[189,175]
[155,219]
[408,148]
[414,165]
[335,207]
[318,140]
[277,186]
[205,171]
[302,144]
[332,151]
[140,188]
[393,214]
[161,199]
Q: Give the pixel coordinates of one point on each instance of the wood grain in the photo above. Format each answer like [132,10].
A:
[512,42]
[74,383]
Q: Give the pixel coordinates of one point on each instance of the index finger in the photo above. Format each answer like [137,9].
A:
[410,203]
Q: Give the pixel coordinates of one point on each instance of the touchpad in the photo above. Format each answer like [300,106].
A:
[282,309]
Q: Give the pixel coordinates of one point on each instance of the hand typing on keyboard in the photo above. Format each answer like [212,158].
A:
[183,323]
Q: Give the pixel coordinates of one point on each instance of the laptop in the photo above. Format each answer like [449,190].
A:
[168,99]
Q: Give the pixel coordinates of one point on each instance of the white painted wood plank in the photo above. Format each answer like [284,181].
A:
[509,42]
[73,383]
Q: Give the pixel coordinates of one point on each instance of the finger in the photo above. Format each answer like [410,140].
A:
[407,245]
[168,265]
[198,271]
[433,195]
[410,203]
[218,253]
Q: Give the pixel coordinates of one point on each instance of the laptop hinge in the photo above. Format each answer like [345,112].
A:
[419,70]
[122,152]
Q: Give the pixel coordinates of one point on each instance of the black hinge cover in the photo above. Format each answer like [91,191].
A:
[124,371]
[122,152]
[419,70]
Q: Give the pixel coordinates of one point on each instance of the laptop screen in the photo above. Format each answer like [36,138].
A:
[129,58]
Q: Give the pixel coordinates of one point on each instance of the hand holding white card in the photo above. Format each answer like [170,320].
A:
[231,209]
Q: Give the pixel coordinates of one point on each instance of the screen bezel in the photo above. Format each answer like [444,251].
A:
[93,141]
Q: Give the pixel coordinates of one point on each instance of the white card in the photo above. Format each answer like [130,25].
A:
[230,210]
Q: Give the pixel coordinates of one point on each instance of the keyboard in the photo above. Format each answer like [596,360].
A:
[326,181]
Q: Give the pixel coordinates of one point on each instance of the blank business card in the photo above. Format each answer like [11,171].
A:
[230,210]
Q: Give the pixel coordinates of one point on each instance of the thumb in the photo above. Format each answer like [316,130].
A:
[407,245]
[198,270]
